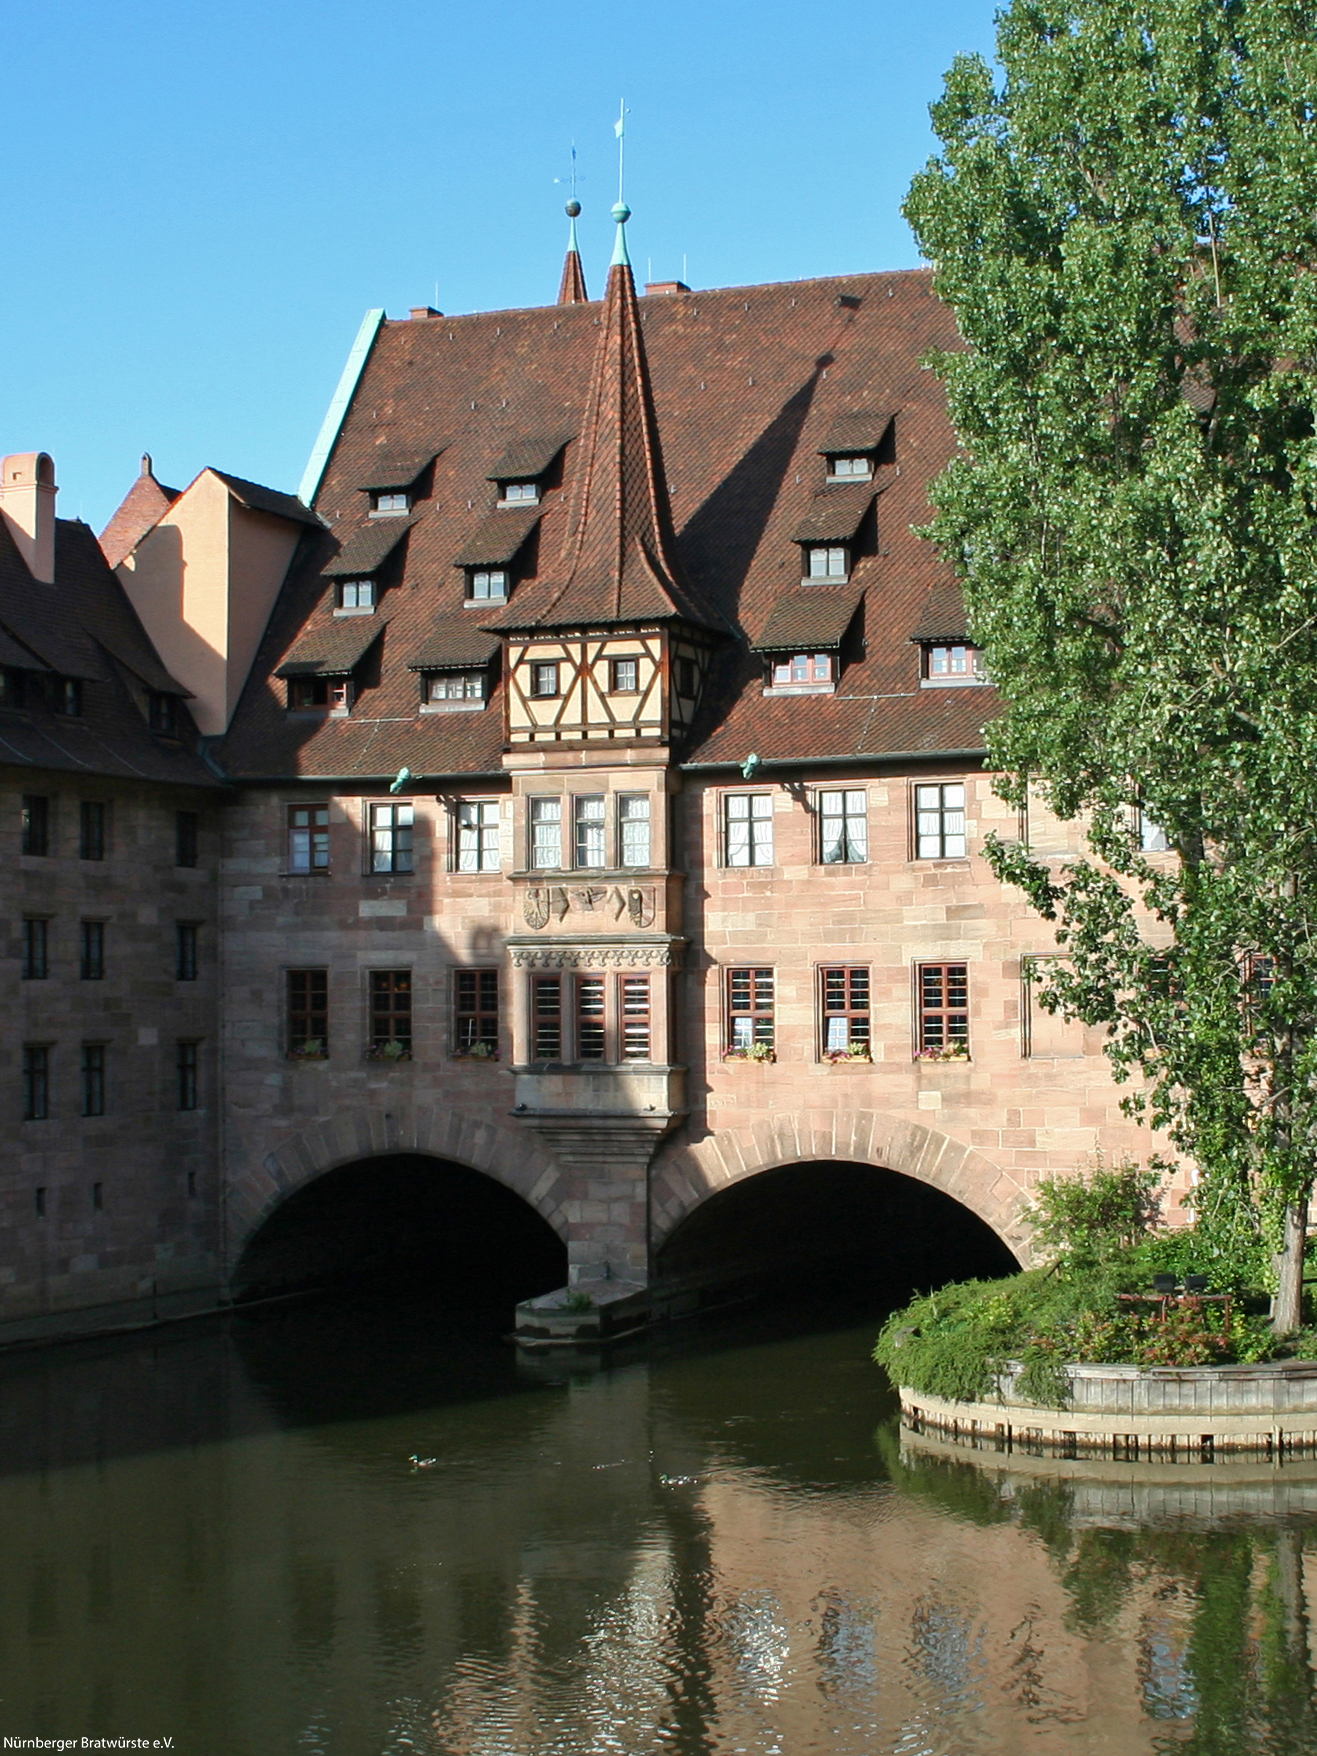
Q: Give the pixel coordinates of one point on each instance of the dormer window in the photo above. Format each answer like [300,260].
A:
[855,467]
[803,670]
[356,594]
[66,696]
[828,561]
[390,500]
[949,666]
[161,713]
[486,585]
[308,693]
[456,686]
[520,494]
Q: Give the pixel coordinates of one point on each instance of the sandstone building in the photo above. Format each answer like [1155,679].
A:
[582,788]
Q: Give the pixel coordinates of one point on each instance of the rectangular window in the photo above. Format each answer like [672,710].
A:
[1152,837]
[456,686]
[850,469]
[589,833]
[98,1197]
[686,677]
[91,962]
[306,1028]
[590,1021]
[952,663]
[36,1082]
[633,824]
[749,1010]
[624,676]
[66,696]
[843,826]
[487,585]
[546,834]
[546,1018]
[391,1012]
[308,838]
[940,822]
[478,847]
[748,829]
[356,594]
[802,669]
[544,679]
[187,1059]
[13,688]
[185,949]
[844,1003]
[476,1023]
[1047,1035]
[185,838]
[391,501]
[93,1079]
[36,824]
[943,1008]
[633,1016]
[91,829]
[827,561]
[521,493]
[334,693]
[391,838]
[36,948]
[162,714]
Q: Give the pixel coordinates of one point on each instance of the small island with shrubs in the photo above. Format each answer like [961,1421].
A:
[1115,1287]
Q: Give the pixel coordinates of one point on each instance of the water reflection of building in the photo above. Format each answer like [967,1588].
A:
[625,1563]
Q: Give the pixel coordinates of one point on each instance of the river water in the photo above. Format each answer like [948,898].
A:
[368,1530]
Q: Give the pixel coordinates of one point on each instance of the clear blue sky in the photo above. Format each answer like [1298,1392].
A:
[199,203]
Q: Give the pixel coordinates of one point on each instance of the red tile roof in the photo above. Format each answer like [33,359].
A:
[810,617]
[746,385]
[144,505]
[571,290]
[497,541]
[367,549]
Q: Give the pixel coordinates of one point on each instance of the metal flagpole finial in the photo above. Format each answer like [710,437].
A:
[619,128]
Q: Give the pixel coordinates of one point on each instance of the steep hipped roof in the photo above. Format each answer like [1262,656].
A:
[571,289]
[80,619]
[141,509]
[747,383]
[619,563]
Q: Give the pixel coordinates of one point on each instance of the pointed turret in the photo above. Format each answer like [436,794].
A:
[619,563]
[572,291]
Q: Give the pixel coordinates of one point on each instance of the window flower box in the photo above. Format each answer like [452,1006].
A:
[756,1052]
[390,1051]
[477,1052]
[311,1050]
[951,1052]
[857,1052]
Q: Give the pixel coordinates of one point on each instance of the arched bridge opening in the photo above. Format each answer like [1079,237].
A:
[406,1222]
[866,1230]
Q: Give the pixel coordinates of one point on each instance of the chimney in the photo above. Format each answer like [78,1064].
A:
[27,503]
[423,313]
[665,286]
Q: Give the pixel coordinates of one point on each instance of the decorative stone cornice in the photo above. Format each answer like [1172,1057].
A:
[587,955]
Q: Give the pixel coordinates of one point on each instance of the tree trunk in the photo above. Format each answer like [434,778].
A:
[1287,1311]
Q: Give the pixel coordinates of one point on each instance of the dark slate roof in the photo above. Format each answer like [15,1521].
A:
[499,537]
[856,432]
[18,657]
[835,514]
[79,619]
[746,384]
[528,459]
[398,472]
[454,644]
[812,617]
[258,499]
[140,658]
[367,550]
[333,649]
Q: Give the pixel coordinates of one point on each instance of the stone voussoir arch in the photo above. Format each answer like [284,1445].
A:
[686,1176]
[510,1156]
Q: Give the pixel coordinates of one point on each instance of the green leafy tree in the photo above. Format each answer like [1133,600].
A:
[1125,224]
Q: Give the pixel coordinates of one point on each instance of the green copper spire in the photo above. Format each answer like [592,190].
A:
[621,213]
